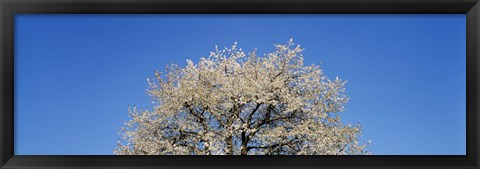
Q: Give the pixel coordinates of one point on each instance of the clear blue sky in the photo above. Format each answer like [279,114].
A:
[76,75]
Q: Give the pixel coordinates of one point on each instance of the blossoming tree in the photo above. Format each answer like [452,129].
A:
[232,103]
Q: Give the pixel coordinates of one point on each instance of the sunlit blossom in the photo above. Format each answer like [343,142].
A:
[239,103]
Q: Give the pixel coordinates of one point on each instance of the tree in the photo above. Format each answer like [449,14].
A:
[230,103]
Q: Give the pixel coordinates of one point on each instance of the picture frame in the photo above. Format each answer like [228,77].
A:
[9,8]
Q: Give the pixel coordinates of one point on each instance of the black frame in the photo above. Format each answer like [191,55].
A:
[9,8]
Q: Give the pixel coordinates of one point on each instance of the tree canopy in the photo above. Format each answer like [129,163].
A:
[233,103]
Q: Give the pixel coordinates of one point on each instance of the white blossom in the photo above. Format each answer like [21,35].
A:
[231,103]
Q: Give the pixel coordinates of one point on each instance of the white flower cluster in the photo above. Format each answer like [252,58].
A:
[231,103]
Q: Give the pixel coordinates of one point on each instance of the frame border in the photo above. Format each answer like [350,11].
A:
[9,8]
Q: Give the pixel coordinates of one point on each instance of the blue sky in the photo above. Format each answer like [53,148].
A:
[76,75]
